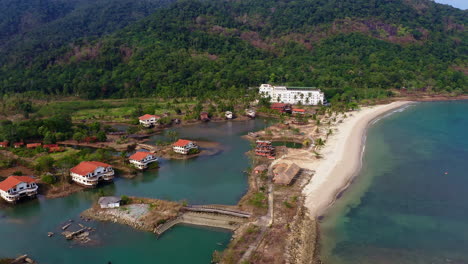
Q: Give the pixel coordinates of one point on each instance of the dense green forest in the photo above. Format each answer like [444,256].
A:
[348,48]
[29,28]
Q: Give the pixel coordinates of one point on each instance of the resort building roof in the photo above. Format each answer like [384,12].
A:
[140,155]
[109,200]
[182,143]
[298,110]
[147,116]
[86,167]
[284,174]
[12,181]
[33,145]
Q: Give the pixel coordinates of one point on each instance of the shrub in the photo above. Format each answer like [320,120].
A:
[49,179]
[124,199]
[18,173]
[258,200]
[194,151]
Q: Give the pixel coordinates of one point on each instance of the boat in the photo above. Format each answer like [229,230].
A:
[250,113]
[228,114]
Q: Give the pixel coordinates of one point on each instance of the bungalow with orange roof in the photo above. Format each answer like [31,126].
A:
[184,146]
[89,173]
[18,144]
[53,148]
[141,159]
[298,111]
[33,145]
[204,117]
[4,144]
[149,120]
[16,187]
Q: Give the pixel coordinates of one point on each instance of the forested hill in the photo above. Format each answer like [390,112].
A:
[353,48]
[29,27]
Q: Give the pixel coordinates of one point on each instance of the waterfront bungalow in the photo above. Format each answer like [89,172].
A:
[18,144]
[284,174]
[33,145]
[298,111]
[109,202]
[89,173]
[142,159]
[149,120]
[16,187]
[4,144]
[204,117]
[184,146]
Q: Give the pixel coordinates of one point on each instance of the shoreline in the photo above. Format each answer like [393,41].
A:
[342,158]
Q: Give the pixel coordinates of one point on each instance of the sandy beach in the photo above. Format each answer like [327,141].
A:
[341,157]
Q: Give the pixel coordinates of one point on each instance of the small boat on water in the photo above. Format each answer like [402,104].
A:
[228,114]
[250,113]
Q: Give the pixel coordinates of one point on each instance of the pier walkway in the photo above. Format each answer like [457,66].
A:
[213,209]
[147,147]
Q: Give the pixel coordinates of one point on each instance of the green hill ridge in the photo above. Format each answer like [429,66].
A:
[348,48]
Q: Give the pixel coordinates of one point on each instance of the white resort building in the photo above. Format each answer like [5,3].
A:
[183,146]
[292,95]
[16,187]
[148,120]
[141,159]
[89,173]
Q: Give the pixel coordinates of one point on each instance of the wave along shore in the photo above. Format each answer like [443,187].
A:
[342,157]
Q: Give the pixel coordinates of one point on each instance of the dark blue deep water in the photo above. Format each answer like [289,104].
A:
[409,203]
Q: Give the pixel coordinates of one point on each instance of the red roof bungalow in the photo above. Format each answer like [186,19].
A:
[298,111]
[204,116]
[148,120]
[18,144]
[15,187]
[141,159]
[283,108]
[89,173]
[53,148]
[183,146]
[33,145]
[4,144]
[91,139]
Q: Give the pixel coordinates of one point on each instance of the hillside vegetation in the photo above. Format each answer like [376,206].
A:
[30,28]
[352,49]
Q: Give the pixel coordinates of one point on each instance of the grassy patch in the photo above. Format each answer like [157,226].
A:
[259,200]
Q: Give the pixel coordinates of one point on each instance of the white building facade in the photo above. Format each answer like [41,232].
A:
[16,187]
[142,159]
[89,173]
[292,95]
[149,120]
[183,146]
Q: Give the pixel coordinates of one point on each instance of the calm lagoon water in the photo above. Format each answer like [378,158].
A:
[409,203]
[213,179]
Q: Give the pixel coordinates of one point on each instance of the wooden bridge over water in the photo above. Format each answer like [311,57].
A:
[147,147]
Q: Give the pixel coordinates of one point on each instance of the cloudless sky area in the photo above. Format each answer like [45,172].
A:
[462,4]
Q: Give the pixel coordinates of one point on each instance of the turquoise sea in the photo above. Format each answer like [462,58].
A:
[204,180]
[409,202]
